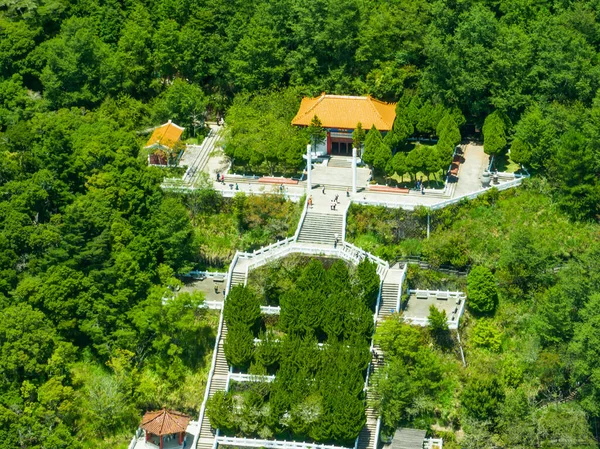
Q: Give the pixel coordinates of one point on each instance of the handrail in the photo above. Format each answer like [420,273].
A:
[438,293]
[270,310]
[399,298]
[230,272]
[209,379]
[344,221]
[377,430]
[214,305]
[302,217]
[240,377]
[409,206]
[214,356]
[207,274]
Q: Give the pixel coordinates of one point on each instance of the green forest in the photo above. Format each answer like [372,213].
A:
[90,246]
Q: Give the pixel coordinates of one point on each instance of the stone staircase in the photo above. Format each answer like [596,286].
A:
[389,300]
[367,436]
[218,383]
[219,378]
[196,166]
[319,227]
[238,278]
[340,162]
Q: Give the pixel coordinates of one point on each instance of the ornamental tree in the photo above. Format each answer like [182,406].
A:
[242,308]
[481,398]
[358,136]
[372,142]
[239,346]
[494,132]
[482,290]
[316,132]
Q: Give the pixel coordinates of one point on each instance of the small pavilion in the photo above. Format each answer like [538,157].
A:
[165,429]
[163,142]
[339,115]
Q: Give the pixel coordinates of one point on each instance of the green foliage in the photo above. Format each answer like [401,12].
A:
[242,308]
[239,346]
[486,335]
[316,132]
[318,390]
[482,398]
[259,132]
[413,372]
[494,132]
[358,136]
[183,103]
[438,321]
[438,327]
[482,290]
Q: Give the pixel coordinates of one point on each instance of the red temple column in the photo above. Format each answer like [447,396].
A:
[328,142]
[147,436]
[161,441]
[180,438]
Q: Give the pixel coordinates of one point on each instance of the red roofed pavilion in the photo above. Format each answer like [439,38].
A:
[165,426]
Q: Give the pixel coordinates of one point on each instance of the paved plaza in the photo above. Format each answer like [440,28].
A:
[338,179]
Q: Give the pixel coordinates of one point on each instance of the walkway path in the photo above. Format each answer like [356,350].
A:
[469,175]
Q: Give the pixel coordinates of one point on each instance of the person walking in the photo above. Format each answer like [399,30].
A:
[347,193]
[337,196]
[323,190]
[310,201]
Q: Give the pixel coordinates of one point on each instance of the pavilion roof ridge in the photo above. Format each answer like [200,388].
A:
[370,101]
[164,422]
[345,111]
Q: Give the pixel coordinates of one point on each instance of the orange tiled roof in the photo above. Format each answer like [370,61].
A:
[164,422]
[339,111]
[166,135]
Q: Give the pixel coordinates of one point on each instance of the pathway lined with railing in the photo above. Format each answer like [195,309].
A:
[388,302]
[219,376]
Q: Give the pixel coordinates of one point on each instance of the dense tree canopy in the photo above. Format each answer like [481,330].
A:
[89,244]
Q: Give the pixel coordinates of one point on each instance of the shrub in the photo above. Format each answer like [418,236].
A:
[486,335]
[481,398]
[482,290]
[239,346]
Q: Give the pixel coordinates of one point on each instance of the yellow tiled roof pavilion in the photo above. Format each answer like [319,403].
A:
[341,111]
[165,136]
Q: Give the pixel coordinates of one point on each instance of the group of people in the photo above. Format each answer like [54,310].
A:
[334,202]
[332,205]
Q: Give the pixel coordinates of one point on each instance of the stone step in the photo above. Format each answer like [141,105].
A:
[321,228]
[340,162]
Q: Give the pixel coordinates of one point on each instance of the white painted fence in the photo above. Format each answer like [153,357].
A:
[344,250]
[440,205]
[270,310]
[453,319]
[272,444]
[206,274]
[213,305]
[433,443]
[240,377]
[302,218]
